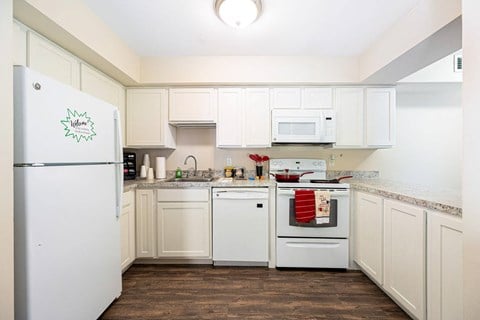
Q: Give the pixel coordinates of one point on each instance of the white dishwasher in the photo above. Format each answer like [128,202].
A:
[240,226]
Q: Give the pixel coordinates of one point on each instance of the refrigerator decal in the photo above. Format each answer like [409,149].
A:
[78,126]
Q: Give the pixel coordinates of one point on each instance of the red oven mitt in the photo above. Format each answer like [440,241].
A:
[304,205]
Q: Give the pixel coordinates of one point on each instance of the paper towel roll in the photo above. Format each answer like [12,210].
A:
[160,167]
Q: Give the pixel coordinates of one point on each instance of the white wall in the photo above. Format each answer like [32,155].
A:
[419,24]
[439,71]
[6,162]
[249,69]
[429,137]
[74,26]
[428,150]
[471,156]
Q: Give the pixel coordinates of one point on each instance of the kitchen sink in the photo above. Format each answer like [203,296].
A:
[191,179]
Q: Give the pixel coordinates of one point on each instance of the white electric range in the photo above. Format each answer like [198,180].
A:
[311,245]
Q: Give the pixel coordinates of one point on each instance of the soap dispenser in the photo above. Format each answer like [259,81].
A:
[178,173]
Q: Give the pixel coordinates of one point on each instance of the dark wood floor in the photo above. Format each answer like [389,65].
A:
[206,292]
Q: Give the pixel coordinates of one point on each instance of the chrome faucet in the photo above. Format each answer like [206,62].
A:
[195,160]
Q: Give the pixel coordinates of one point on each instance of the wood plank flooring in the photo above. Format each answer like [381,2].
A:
[207,292]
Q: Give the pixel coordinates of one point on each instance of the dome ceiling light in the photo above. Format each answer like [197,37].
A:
[238,13]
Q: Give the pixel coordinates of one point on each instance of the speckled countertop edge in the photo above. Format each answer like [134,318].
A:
[221,182]
[442,200]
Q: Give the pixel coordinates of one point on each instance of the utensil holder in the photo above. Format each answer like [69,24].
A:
[259,171]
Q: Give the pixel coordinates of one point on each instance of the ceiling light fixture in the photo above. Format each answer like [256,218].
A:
[238,13]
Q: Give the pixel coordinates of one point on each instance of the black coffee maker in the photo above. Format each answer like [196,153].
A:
[129,166]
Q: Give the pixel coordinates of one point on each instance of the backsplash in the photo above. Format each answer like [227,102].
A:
[356,174]
[251,173]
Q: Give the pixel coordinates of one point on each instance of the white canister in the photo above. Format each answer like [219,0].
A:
[146,161]
[150,175]
[143,172]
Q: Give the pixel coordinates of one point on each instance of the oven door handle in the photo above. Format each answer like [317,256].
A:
[288,192]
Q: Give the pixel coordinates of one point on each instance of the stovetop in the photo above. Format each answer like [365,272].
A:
[299,166]
[309,185]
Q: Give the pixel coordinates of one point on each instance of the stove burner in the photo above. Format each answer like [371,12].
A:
[336,180]
[324,181]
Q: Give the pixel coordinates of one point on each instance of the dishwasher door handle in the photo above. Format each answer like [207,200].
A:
[218,197]
[239,195]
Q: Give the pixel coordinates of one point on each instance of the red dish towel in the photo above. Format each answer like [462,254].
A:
[304,205]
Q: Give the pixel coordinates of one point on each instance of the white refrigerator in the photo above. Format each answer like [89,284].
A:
[68,189]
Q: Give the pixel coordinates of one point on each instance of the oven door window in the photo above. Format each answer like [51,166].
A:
[313,223]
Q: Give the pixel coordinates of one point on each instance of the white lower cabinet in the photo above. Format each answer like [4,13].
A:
[183,223]
[127,230]
[368,234]
[414,255]
[405,256]
[145,214]
[174,223]
[183,229]
[444,267]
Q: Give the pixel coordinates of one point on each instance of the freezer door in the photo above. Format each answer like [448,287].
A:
[67,242]
[55,123]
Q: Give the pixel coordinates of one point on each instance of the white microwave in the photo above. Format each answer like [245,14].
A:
[303,126]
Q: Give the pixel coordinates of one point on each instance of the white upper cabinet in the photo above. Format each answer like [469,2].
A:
[301,98]
[230,118]
[349,109]
[19,44]
[405,256]
[380,117]
[147,119]
[365,117]
[192,106]
[98,85]
[47,58]
[243,118]
[317,98]
[286,98]
[257,118]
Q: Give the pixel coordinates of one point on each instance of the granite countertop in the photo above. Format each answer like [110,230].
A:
[219,182]
[439,199]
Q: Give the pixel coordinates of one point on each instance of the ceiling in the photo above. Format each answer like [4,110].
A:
[286,27]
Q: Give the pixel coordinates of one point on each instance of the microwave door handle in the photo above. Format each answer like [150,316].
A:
[321,125]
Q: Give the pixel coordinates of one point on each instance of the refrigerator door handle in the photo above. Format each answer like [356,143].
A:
[118,137]
[119,189]
[118,165]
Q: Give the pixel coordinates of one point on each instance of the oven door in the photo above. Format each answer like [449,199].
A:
[339,216]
